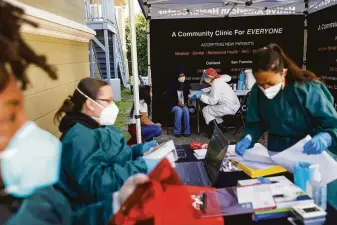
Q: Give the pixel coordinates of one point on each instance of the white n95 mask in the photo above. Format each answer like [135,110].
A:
[181,79]
[272,91]
[108,115]
[30,161]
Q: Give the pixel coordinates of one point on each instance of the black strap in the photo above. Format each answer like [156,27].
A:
[8,207]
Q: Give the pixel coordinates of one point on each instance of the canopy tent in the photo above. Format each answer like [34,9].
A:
[172,9]
[187,9]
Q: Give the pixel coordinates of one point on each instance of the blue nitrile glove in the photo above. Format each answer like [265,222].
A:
[151,164]
[148,145]
[305,165]
[196,95]
[318,144]
[264,180]
[242,146]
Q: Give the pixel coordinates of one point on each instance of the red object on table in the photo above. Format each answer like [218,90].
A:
[162,201]
[198,145]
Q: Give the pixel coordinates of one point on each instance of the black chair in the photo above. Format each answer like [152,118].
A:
[238,119]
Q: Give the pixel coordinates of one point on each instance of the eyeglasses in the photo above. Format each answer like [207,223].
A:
[105,100]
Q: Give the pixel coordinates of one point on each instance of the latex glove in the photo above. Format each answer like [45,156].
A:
[196,95]
[242,146]
[148,145]
[264,180]
[318,144]
[127,189]
[151,164]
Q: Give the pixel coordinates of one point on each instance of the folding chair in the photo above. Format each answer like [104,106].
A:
[238,117]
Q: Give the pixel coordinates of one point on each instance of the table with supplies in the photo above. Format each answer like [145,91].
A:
[230,179]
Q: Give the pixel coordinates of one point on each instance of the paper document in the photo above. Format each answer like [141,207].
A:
[258,153]
[294,154]
[200,154]
[255,165]
[260,196]
[164,150]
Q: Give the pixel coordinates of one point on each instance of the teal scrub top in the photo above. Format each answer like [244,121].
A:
[296,111]
[95,163]
[46,207]
[49,207]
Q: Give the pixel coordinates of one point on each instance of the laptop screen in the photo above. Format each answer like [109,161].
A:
[216,152]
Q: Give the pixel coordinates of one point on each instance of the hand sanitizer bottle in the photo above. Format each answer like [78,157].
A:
[316,189]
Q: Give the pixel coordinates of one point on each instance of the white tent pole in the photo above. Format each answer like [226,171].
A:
[148,49]
[305,43]
[134,63]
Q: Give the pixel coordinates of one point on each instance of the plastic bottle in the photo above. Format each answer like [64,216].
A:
[316,189]
[241,81]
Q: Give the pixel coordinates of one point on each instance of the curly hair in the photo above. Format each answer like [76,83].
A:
[15,54]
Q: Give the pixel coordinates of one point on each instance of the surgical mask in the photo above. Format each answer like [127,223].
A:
[109,114]
[30,161]
[181,79]
[272,91]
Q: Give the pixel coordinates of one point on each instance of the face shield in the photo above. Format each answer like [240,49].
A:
[203,77]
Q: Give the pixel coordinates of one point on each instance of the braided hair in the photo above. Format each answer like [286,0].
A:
[15,54]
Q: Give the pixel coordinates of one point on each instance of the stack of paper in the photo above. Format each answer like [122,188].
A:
[259,195]
[200,153]
[164,150]
[284,193]
[294,154]
[256,162]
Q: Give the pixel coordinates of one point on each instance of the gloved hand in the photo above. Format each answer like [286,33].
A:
[151,164]
[127,189]
[196,95]
[318,144]
[242,146]
[148,145]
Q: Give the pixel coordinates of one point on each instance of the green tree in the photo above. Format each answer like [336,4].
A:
[141,30]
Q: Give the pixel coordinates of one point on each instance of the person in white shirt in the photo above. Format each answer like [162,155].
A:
[221,100]
[149,129]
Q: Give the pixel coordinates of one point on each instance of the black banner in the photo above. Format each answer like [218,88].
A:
[322,47]
[226,44]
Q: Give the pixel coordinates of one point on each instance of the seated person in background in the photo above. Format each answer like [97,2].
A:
[29,156]
[149,128]
[221,100]
[96,160]
[177,102]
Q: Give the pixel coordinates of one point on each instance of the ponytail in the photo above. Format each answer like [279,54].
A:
[272,58]
[67,107]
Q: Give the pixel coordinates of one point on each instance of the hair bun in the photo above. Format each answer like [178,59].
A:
[70,98]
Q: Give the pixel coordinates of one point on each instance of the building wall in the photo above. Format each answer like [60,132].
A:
[45,96]
[70,9]
[70,58]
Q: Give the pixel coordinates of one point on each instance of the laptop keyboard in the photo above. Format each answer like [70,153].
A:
[192,173]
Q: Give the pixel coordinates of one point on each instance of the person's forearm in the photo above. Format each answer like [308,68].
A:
[147,122]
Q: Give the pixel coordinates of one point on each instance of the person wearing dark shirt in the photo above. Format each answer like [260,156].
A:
[177,99]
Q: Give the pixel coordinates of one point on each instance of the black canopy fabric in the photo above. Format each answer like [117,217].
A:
[173,9]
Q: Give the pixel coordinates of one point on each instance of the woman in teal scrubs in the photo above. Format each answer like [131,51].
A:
[289,103]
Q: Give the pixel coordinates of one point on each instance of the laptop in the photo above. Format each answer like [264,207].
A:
[205,173]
